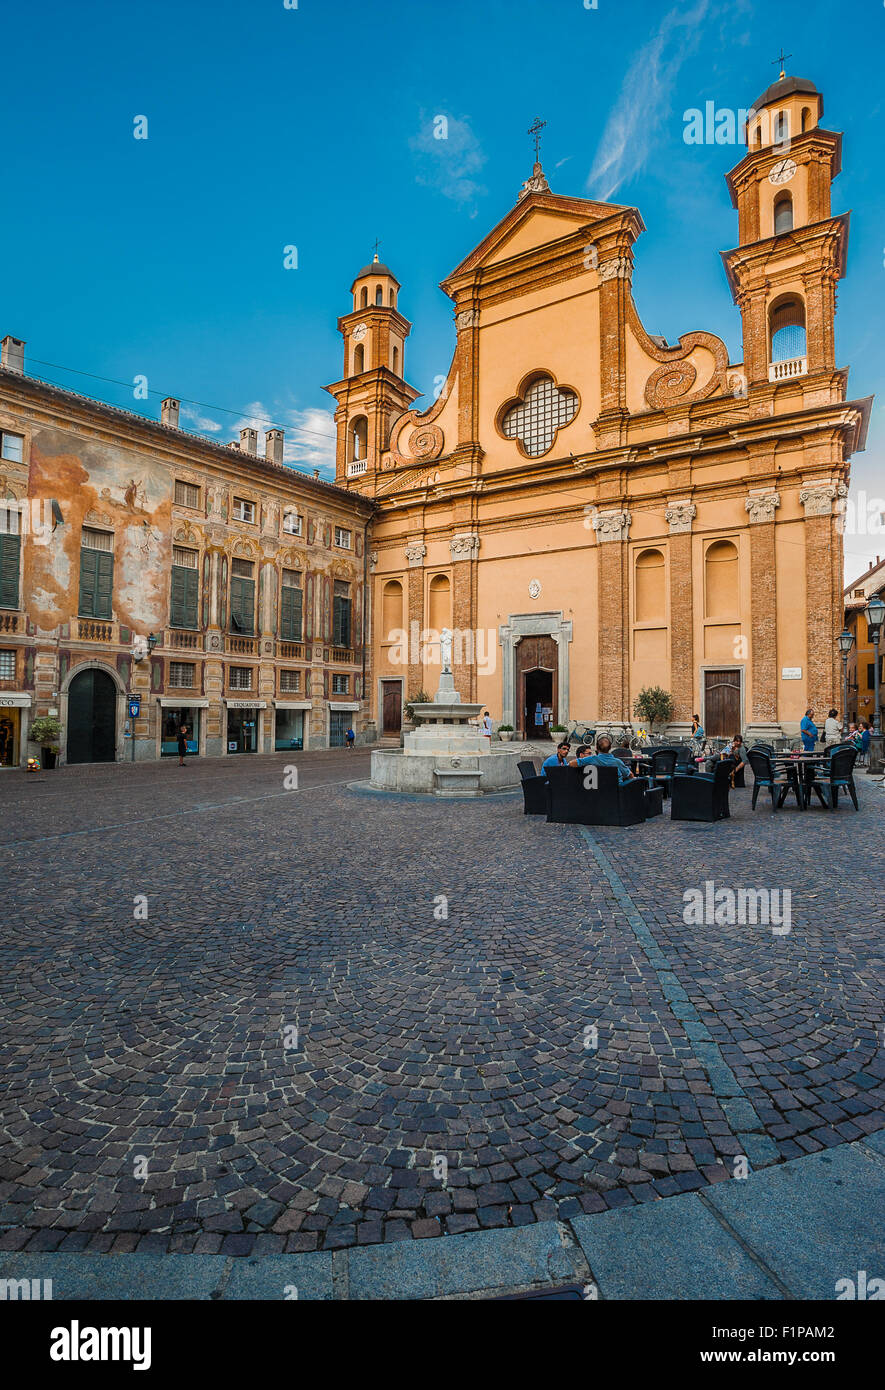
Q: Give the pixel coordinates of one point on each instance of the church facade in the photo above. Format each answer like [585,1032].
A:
[591,509]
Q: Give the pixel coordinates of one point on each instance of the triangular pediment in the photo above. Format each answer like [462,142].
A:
[538,220]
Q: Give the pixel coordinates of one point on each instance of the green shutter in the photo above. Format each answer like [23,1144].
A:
[290,614]
[104,585]
[88,572]
[242,604]
[10,554]
[184,598]
[341,622]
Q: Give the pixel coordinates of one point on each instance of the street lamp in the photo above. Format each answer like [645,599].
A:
[846,642]
[875,614]
[152,640]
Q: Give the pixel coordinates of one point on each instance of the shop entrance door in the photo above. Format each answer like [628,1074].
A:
[242,730]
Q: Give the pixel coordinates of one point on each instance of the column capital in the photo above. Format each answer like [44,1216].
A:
[612,525]
[762,504]
[415,553]
[464,546]
[819,495]
[680,514]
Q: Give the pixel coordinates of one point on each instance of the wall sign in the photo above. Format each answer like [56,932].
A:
[791,673]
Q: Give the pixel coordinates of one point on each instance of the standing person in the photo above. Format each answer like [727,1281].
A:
[487,728]
[697,728]
[832,729]
[808,730]
[866,733]
[350,738]
[182,744]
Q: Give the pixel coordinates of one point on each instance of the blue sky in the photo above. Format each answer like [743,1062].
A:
[270,127]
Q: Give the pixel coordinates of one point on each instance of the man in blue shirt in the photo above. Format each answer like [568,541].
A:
[808,730]
[603,757]
[557,759]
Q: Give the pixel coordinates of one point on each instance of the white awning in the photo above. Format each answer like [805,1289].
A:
[293,704]
[246,704]
[351,705]
[182,702]
[11,699]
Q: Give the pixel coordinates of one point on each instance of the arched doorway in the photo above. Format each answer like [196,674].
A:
[537,665]
[92,718]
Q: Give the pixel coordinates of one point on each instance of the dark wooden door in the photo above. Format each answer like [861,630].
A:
[722,703]
[537,670]
[391,708]
[92,718]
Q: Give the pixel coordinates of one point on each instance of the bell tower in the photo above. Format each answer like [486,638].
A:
[792,251]
[372,393]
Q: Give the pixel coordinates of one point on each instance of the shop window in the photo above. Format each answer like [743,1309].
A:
[96,573]
[240,678]
[291,600]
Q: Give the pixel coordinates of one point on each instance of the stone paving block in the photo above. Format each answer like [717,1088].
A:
[671,1249]
[125,1277]
[813,1220]
[273,1277]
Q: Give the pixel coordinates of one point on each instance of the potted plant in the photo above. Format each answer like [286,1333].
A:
[505,732]
[654,705]
[45,731]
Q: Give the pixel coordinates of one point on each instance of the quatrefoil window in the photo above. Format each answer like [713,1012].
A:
[534,417]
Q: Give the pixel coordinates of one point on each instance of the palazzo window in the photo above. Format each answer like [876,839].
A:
[291,606]
[241,677]
[12,447]
[7,666]
[290,681]
[291,523]
[186,494]
[535,419]
[185,592]
[242,597]
[340,685]
[341,614]
[181,675]
[244,510]
[96,573]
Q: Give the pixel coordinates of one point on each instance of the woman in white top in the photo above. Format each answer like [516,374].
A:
[832,729]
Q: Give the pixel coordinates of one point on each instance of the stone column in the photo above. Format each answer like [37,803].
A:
[823,588]
[464,549]
[417,673]
[761,506]
[680,514]
[612,530]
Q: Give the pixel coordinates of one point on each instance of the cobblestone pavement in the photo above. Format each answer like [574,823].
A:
[446,965]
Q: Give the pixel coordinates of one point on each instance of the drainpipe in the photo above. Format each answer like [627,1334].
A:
[365,599]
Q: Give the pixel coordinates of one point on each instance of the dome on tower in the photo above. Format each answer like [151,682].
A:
[785,87]
[375,268]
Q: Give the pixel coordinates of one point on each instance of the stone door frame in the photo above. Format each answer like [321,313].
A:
[521,625]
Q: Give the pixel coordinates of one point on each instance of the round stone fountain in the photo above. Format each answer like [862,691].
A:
[446,755]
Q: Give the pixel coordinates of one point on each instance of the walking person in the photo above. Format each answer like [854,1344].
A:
[350,738]
[487,728]
[182,744]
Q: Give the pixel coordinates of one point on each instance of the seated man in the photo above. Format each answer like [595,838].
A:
[558,759]
[581,756]
[738,754]
[604,757]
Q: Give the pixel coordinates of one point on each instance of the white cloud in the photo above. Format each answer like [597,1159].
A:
[310,439]
[448,164]
[643,100]
[201,423]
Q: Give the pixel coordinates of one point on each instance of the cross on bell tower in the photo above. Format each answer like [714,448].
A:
[537,183]
[780,60]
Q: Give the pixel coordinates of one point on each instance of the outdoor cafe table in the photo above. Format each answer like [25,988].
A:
[806,764]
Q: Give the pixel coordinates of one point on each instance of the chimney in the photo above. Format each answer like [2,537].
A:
[169,412]
[273,446]
[12,354]
[248,441]
[316,472]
